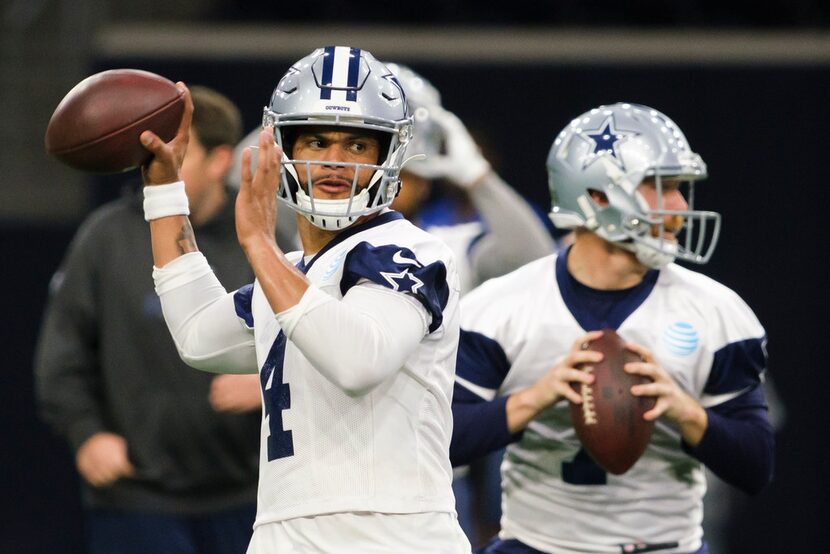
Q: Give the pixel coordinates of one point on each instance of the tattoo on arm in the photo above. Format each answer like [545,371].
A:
[185,240]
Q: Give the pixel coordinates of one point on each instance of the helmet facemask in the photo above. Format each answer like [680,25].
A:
[695,232]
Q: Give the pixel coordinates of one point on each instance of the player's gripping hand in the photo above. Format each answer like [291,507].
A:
[256,204]
[235,393]
[463,163]
[672,401]
[165,165]
[524,405]
[102,459]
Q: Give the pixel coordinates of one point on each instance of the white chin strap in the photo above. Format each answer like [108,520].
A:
[651,255]
[332,215]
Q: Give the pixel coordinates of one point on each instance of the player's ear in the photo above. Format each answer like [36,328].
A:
[598,197]
[220,161]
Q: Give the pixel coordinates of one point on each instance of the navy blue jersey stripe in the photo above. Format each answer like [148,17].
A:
[328,72]
[397,268]
[354,67]
[481,360]
[600,309]
[463,395]
[242,304]
[737,366]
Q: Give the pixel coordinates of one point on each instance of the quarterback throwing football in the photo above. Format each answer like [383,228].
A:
[354,338]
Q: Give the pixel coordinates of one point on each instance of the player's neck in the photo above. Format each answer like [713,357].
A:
[601,265]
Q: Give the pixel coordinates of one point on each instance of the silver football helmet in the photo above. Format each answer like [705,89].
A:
[611,150]
[344,87]
[428,137]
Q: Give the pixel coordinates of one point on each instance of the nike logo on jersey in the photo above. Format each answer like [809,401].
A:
[399,258]
[334,266]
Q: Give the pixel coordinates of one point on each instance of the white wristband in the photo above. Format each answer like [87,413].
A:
[165,200]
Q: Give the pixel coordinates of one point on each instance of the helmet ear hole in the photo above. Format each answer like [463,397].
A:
[289,138]
[599,197]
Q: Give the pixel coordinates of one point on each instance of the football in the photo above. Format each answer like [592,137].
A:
[97,124]
[609,422]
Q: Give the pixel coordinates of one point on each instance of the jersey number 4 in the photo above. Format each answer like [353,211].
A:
[277,398]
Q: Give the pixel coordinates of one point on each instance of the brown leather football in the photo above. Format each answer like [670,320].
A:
[609,422]
[97,124]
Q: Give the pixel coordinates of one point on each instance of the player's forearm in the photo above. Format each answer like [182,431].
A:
[282,283]
[522,406]
[479,428]
[515,234]
[693,423]
[171,237]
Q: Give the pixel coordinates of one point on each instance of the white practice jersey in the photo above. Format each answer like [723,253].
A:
[555,498]
[325,451]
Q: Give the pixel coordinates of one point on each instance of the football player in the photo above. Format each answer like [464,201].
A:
[354,337]
[622,177]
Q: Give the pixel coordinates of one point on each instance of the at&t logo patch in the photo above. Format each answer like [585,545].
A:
[681,339]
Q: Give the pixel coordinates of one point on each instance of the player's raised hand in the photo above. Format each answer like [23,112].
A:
[524,405]
[165,165]
[672,401]
[462,163]
[256,204]
[102,459]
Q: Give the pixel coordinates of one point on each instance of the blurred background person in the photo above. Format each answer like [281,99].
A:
[168,454]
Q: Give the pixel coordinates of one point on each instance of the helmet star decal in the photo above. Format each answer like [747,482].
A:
[604,141]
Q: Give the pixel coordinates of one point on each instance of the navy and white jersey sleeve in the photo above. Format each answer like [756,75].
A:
[740,356]
[398,269]
[738,444]
[479,413]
